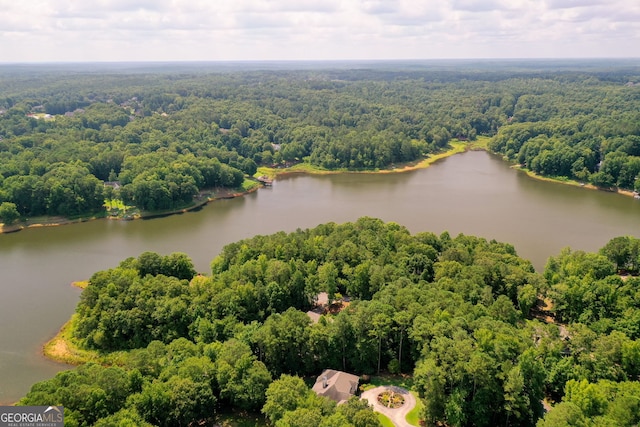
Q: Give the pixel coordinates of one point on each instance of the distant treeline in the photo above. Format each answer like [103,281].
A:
[165,135]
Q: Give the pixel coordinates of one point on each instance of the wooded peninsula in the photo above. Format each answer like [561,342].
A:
[484,338]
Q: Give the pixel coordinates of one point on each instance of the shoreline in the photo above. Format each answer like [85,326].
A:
[480,144]
[573,183]
[61,348]
[457,147]
[58,221]
[53,222]
[222,194]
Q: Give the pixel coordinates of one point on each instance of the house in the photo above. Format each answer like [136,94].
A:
[114,184]
[336,385]
[322,301]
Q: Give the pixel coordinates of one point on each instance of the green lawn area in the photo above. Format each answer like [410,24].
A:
[404,381]
[65,348]
[248,184]
[114,204]
[481,143]
[413,417]
[299,167]
[384,420]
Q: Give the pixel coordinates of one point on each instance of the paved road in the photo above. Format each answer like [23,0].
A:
[399,415]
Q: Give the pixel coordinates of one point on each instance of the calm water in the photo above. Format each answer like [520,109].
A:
[472,193]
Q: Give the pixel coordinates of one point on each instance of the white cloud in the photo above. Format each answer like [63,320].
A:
[478,6]
[567,4]
[113,30]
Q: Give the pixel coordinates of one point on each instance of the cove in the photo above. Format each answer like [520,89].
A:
[472,193]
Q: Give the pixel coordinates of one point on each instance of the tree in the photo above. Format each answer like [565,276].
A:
[337,420]
[149,263]
[328,277]
[300,417]
[602,180]
[516,401]
[430,381]
[403,319]
[367,354]
[587,396]
[283,395]
[124,418]
[527,298]
[241,378]
[9,213]
[564,414]
[177,402]
[366,418]
[284,340]
[178,265]
[624,251]
[342,334]
[359,412]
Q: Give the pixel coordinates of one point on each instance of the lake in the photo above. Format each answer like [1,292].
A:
[471,193]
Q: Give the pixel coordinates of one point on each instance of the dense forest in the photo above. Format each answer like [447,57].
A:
[463,315]
[165,135]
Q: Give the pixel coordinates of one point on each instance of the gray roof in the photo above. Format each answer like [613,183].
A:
[336,385]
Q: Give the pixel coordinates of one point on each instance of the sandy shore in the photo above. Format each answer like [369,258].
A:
[627,193]
[301,168]
[60,349]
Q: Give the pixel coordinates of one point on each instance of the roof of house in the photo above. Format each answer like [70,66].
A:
[336,385]
[314,316]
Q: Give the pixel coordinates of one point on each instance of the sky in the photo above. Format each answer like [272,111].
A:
[256,30]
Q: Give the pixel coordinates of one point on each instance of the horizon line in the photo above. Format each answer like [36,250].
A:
[194,61]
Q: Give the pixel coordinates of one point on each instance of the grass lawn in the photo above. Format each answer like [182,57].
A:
[82,284]
[384,420]
[248,185]
[413,417]
[481,143]
[64,348]
[404,381]
[297,168]
[117,207]
[114,204]
[455,147]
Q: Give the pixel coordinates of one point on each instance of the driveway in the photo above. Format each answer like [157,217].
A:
[399,415]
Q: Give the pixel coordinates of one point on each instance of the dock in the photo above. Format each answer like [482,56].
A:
[265,180]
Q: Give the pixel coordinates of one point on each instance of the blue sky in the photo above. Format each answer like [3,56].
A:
[212,30]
